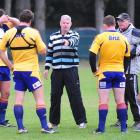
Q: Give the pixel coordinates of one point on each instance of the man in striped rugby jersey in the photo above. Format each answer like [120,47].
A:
[63,57]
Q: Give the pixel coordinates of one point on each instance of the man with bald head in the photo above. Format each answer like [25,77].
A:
[63,58]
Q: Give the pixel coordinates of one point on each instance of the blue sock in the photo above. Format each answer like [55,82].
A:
[3,107]
[122,114]
[18,112]
[41,112]
[102,119]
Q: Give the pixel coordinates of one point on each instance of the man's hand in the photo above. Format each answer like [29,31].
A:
[4,19]
[66,42]
[5,59]
[46,73]
[138,98]
[96,73]
[133,53]
[11,67]
[14,21]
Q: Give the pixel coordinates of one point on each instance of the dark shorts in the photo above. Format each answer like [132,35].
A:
[4,73]
[112,80]
[24,81]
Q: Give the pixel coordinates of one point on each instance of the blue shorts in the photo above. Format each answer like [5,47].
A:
[24,81]
[112,80]
[4,73]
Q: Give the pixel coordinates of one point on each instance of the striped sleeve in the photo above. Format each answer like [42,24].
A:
[49,56]
[74,39]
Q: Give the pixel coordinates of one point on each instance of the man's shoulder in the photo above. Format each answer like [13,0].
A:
[10,31]
[6,26]
[136,32]
[73,32]
[55,33]
[31,29]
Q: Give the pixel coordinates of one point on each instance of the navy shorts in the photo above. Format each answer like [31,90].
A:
[4,73]
[24,81]
[112,80]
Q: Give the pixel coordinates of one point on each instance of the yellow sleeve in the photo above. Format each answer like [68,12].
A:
[95,45]
[10,25]
[39,43]
[4,42]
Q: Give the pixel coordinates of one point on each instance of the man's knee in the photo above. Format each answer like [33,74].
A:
[5,95]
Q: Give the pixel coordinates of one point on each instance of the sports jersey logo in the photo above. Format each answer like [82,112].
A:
[36,85]
[114,37]
[102,84]
[122,84]
[20,35]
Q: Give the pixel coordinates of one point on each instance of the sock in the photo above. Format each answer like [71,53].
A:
[122,114]
[3,107]
[18,112]
[41,112]
[103,110]
[126,113]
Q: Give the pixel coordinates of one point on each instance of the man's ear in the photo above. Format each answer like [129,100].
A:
[60,23]
[30,22]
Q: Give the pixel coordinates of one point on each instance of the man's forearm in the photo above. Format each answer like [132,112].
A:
[92,61]
[6,60]
[15,21]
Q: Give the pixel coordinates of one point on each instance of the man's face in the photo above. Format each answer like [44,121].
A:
[65,24]
[123,24]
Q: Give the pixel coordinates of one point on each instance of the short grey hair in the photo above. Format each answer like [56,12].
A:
[67,17]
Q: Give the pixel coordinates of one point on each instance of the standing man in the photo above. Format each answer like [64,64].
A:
[112,48]
[6,23]
[25,44]
[131,90]
[63,57]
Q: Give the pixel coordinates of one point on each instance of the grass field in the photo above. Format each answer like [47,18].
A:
[68,129]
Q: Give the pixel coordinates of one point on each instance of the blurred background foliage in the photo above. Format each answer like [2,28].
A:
[86,15]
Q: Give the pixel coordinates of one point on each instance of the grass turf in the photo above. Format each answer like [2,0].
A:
[67,129]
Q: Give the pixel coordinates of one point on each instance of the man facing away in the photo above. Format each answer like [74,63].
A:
[25,44]
[6,23]
[113,49]
[63,57]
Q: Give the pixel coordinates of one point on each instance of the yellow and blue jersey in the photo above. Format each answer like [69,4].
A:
[24,46]
[4,27]
[7,26]
[111,47]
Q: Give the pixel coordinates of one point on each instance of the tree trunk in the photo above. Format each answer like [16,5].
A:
[99,14]
[7,6]
[21,5]
[131,9]
[40,15]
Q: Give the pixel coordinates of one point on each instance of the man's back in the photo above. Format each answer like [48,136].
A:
[25,43]
[112,47]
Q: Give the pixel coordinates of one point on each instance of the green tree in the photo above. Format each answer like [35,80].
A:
[40,17]
[7,6]
[21,5]
[131,9]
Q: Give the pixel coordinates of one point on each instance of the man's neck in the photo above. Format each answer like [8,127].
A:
[111,28]
[64,32]
[24,23]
